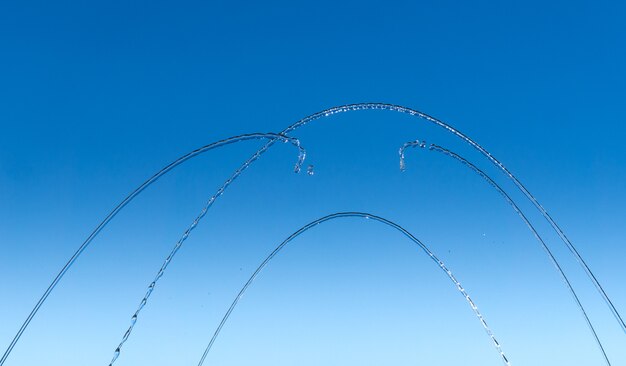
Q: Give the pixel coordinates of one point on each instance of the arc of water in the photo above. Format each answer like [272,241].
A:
[273,137]
[491,158]
[516,208]
[372,217]
[179,243]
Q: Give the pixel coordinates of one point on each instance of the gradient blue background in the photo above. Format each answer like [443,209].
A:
[96,97]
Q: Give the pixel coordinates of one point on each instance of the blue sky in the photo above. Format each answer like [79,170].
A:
[96,97]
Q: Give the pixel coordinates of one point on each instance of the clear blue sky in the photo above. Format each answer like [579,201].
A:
[96,97]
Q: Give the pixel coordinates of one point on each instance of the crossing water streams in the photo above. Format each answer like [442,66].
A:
[284,136]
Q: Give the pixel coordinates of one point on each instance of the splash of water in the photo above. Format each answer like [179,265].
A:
[511,202]
[366,216]
[272,137]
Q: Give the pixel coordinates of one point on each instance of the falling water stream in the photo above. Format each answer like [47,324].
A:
[509,200]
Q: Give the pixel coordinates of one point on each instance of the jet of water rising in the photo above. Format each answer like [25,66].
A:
[509,200]
[272,137]
[180,242]
[371,217]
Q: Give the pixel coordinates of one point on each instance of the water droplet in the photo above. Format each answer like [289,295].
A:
[309,170]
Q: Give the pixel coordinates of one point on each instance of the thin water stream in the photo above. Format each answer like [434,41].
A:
[366,216]
[509,200]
